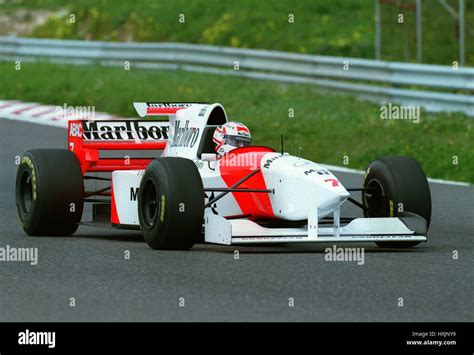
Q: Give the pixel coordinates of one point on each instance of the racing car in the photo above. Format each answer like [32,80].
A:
[184,193]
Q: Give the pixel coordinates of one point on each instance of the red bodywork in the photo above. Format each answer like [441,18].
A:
[236,165]
[88,153]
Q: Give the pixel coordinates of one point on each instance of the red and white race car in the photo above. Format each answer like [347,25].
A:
[186,193]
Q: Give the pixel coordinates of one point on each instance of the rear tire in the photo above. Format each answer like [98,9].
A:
[49,192]
[171,204]
[398,185]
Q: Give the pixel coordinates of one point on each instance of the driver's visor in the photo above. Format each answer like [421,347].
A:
[238,141]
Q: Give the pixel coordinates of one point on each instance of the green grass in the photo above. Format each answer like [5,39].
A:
[328,126]
[326,27]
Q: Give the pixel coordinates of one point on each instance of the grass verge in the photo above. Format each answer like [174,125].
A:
[325,27]
[328,127]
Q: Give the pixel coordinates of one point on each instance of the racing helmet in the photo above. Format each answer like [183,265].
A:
[231,135]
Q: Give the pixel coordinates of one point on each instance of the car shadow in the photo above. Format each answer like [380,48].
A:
[297,249]
[108,233]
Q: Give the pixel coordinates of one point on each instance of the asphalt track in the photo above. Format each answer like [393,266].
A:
[90,266]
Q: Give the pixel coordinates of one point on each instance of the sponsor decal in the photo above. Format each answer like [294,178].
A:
[334,182]
[124,130]
[202,112]
[165,105]
[269,161]
[318,171]
[303,163]
[162,212]
[134,193]
[27,161]
[162,108]
[75,130]
[185,136]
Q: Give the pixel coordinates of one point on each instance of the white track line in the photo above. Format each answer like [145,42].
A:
[45,115]
[41,110]
[39,114]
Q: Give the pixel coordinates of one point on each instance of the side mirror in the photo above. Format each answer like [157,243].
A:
[209,157]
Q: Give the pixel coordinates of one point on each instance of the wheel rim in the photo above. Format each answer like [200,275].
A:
[26,192]
[375,199]
[150,203]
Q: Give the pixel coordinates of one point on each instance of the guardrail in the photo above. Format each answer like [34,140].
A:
[374,80]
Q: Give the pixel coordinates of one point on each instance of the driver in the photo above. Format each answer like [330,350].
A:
[230,136]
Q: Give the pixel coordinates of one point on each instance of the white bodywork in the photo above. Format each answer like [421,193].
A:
[125,192]
[300,190]
[300,185]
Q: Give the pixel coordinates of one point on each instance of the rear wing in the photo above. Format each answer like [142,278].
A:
[162,108]
[87,138]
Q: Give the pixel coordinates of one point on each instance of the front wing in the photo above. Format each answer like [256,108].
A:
[408,228]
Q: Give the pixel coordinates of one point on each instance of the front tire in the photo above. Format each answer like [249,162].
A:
[49,192]
[396,185]
[171,204]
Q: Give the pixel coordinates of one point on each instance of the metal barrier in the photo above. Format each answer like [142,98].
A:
[437,87]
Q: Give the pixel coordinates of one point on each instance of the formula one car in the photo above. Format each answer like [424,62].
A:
[185,193]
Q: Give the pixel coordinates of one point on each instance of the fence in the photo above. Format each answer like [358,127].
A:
[435,87]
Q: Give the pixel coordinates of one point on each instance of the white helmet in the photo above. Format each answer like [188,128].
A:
[230,136]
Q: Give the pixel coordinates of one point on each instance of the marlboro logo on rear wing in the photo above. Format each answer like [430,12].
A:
[126,130]
[117,135]
[87,138]
[162,108]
